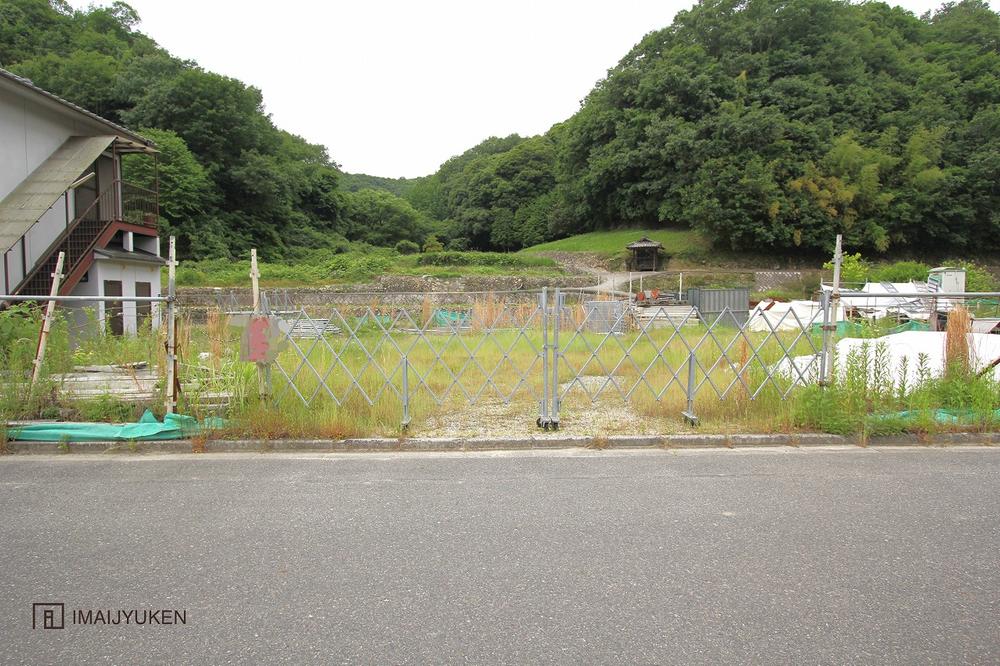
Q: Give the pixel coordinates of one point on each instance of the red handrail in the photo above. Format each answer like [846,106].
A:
[130,203]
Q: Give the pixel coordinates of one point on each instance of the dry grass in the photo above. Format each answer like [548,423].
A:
[599,442]
[487,313]
[426,311]
[217,330]
[958,360]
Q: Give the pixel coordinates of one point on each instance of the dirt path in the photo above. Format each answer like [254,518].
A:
[582,263]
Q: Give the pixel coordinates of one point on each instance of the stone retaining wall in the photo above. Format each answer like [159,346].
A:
[386,290]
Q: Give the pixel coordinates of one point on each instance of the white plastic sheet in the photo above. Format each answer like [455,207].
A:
[904,355]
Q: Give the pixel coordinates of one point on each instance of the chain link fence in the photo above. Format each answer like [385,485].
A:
[554,354]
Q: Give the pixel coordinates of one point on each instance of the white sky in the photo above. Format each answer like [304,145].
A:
[396,87]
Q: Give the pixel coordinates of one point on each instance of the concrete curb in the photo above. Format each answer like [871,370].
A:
[388,444]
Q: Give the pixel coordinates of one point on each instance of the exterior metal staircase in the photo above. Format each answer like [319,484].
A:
[77,242]
[131,205]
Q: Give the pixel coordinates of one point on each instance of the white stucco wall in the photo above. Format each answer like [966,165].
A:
[31,129]
[128,274]
[79,316]
[29,133]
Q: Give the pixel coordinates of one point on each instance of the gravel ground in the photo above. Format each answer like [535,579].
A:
[517,419]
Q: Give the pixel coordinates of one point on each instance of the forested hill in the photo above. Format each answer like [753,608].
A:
[766,125]
[776,124]
[352,182]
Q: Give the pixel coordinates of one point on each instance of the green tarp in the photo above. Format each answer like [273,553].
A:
[173,426]
[452,319]
[947,416]
[857,329]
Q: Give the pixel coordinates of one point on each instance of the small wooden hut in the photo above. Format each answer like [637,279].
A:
[645,255]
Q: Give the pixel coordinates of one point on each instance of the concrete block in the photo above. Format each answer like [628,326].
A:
[234,446]
[773,439]
[432,444]
[369,444]
[822,439]
[697,441]
[902,439]
[493,444]
[561,442]
[636,442]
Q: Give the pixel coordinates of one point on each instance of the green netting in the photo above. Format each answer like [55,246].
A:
[949,416]
[173,426]
[856,329]
[911,326]
[452,319]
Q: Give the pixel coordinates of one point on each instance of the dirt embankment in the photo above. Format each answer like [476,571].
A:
[581,263]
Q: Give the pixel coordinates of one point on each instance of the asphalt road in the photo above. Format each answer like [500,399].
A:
[780,556]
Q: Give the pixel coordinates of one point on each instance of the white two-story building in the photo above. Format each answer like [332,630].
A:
[61,190]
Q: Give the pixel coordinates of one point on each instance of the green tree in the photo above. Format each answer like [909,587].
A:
[379,218]
[187,195]
[218,117]
[86,78]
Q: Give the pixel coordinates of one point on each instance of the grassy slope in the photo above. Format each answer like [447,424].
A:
[678,242]
[354,267]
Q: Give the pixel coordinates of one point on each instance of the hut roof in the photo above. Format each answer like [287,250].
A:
[644,242]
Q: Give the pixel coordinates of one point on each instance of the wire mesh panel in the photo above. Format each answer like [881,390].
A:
[552,354]
[432,355]
[604,316]
[676,360]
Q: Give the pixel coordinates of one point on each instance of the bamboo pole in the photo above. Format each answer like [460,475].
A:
[50,309]
[263,369]
[838,258]
[171,359]
[255,281]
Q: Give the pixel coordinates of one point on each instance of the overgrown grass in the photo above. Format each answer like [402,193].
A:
[491,259]
[867,400]
[359,266]
[460,376]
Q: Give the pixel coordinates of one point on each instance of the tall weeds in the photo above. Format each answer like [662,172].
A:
[958,359]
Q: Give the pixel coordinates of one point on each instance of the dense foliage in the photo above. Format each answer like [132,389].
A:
[765,125]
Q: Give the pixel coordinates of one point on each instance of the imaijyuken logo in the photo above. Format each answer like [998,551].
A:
[53,616]
[48,616]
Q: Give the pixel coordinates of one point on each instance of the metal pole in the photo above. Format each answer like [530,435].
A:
[555,360]
[688,414]
[171,401]
[22,298]
[406,393]
[543,420]
[680,287]
[824,355]
[838,258]
[47,321]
